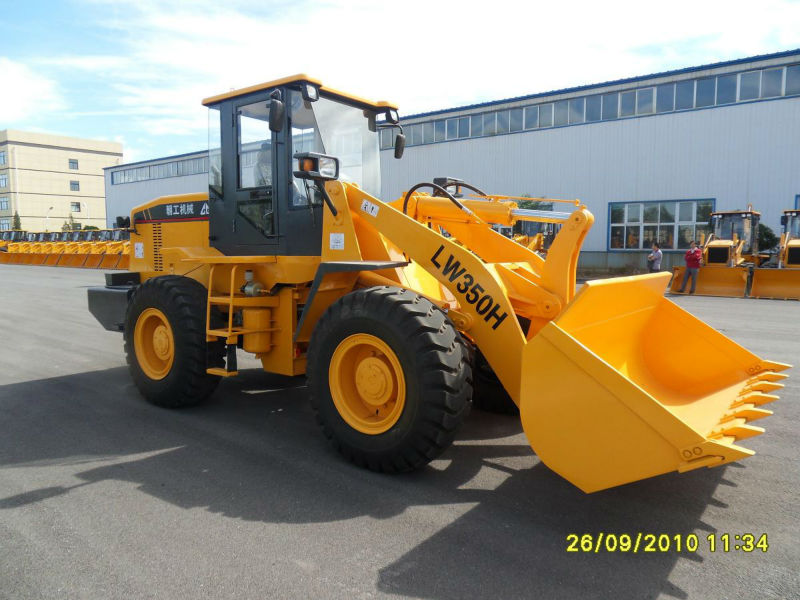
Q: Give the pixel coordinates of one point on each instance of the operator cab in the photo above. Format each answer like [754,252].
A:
[733,226]
[791,223]
[257,206]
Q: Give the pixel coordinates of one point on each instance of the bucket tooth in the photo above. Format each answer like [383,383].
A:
[769,376]
[738,429]
[756,398]
[746,411]
[762,386]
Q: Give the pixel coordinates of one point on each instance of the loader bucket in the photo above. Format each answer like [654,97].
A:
[783,284]
[109,261]
[714,281]
[625,385]
[93,261]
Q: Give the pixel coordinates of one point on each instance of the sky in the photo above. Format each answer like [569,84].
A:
[135,71]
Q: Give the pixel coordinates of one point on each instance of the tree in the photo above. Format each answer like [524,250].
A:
[767,240]
[70,225]
[16,223]
[527,227]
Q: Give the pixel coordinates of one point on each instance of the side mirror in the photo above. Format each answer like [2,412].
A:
[784,220]
[392,116]
[277,112]
[399,145]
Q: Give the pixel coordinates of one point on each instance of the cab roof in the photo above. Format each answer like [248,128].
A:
[736,212]
[299,78]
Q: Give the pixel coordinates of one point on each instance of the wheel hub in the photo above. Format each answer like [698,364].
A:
[367,383]
[154,343]
[374,381]
[161,342]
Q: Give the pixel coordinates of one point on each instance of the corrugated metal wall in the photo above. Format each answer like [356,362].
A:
[735,154]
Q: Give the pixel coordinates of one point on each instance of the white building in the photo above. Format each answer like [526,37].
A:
[650,156]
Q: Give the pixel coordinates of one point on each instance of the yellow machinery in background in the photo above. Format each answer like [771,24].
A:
[729,252]
[88,248]
[782,281]
[7,237]
[293,258]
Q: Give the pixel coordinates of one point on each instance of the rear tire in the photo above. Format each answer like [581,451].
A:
[423,356]
[165,324]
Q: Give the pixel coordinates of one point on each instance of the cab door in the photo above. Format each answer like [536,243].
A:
[244,218]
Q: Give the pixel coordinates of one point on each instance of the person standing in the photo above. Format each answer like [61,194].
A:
[693,257]
[654,259]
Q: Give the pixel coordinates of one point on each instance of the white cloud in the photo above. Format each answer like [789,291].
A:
[420,54]
[27,94]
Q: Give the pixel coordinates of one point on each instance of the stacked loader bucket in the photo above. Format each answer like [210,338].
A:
[714,281]
[625,385]
[105,253]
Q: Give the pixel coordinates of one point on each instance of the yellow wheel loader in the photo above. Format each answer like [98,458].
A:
[729,253]
[292,257]
[782,281]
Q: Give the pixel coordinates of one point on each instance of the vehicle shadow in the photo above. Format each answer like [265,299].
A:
[253,452]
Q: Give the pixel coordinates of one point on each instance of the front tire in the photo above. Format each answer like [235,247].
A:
[399,383]
[165,342]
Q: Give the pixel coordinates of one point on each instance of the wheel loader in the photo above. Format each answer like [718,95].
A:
[292,256]
[782,280]
[729,252]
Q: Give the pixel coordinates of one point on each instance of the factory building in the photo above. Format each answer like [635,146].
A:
[46,179]
[651,156]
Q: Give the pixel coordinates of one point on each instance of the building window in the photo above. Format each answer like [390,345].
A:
[672,223]
[2,157]
[5,224]
[452,129]
[750,85]
[771,82]
[705,92]
[561,113]
[610,106]
[516,119]
[4,203]
[386,142]
[3,181]
[489,124]
[576,110]
[665,98]
[644,101]
[531,117]
[73,164]
[726,89]
[593,112]
[792,80]
[427,132]
[75,206]
[627,104]
[74,186]
[545,115]
[476,125]
[440,131]
[463,127]
[684,95]
[502,121]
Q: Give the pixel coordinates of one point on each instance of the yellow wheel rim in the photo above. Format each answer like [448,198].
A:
[154,343]
[367,383]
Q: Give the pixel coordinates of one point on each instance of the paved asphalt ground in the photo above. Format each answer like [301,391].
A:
[104,496]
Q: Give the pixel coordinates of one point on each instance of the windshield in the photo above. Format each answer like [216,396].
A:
[330,127]
[734,227]
[793,226]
